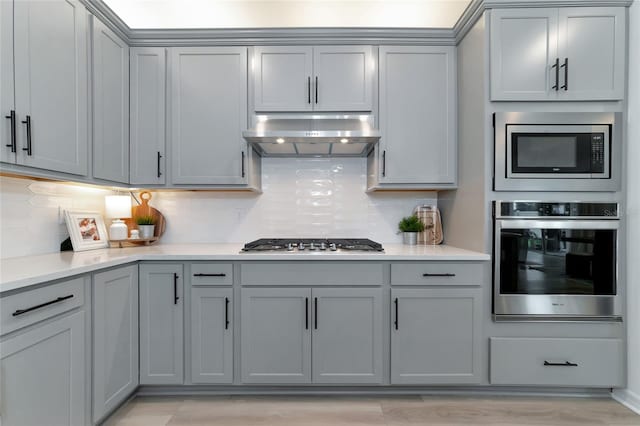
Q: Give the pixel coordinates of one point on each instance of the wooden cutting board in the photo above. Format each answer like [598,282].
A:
[145,209]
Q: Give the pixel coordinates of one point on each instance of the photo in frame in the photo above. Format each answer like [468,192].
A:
[87,230]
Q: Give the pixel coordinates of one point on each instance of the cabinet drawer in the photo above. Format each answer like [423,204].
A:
[312,273]
[26,308]
[436,273]
[558,362]
[211,274]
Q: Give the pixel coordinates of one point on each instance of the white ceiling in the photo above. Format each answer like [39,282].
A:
[288,13]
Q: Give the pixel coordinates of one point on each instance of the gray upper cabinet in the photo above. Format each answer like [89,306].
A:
[343,78]
[110,104]
[115,338]
[161,324]
[320,78]
[51,93]
[209,113]
[435,336]
[417,118]
[282,78]
[147,102]
[276,335]
[557,54]
[7,105]
[347,335]
[211,335]
[43,374]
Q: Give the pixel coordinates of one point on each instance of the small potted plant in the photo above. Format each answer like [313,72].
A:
[146,225]
[410,226]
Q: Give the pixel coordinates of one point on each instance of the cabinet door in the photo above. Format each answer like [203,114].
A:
[43,374]
[7,153]
[276,336]
[343,78]
[115,338]
[147,101]
[209,102]
[283,78]
[347,335]
[51,69]
[110,105]
[418,114]
[592,41]
[523,54]
[211,335]
[435,336]
[161,336]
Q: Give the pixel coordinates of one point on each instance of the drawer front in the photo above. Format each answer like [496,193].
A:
[310,274]
[211,274]
[26,308]
[558,362]
[436,273]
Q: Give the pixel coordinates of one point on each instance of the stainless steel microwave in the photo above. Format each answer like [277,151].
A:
[557,151]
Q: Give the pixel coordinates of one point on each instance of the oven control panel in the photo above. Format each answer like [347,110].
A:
[517,209]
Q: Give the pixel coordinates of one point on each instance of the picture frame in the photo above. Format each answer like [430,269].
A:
[87,230]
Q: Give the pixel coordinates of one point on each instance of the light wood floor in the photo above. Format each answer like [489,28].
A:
[404,410]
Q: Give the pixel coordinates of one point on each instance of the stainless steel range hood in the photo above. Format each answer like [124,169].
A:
[296,135]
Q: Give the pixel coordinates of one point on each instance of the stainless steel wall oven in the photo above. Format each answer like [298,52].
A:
[557,151]
[556,260]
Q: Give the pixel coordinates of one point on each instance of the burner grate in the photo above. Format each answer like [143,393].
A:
[283,244]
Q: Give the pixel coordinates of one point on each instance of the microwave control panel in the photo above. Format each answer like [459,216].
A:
[597,153]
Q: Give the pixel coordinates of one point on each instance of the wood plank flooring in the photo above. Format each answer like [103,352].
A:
[402,410]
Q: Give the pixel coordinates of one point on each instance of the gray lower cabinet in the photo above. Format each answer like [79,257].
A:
[115,338]
[161,324]
[435,335]
[43,374]
[557,362]
[279,324]
[211,335]
[110,104]
[275,335]
[347,335]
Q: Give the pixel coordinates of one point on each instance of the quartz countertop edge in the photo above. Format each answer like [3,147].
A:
[19,272]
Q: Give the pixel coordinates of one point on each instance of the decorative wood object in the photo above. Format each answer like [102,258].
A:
[144,209]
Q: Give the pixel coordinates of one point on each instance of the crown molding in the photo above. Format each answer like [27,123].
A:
[310,36]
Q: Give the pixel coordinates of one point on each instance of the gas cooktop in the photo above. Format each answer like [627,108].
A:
[300,245]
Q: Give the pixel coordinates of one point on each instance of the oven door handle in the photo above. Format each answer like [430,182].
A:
[596,224]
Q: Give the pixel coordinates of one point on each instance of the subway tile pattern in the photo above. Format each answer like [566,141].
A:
[29,213]
[303,197]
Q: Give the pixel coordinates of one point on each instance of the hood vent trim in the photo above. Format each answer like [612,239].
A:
[312,135]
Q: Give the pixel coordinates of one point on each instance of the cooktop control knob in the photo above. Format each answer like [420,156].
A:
[290,247]
[333,247]
[313,246]
[301,246]
[323,246]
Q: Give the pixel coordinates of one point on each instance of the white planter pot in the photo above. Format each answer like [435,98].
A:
[146,231]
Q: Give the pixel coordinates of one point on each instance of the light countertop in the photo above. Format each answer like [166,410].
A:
[21,272]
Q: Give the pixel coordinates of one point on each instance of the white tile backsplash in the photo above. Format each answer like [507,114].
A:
[301,198]
[31,212]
